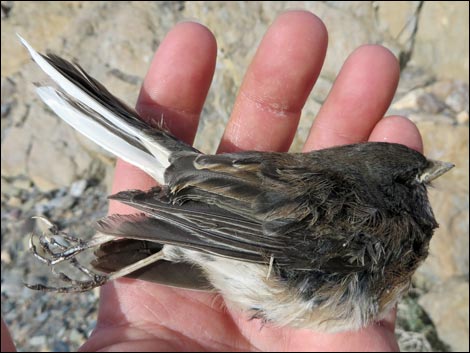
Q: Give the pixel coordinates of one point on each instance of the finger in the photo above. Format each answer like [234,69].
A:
[378,337]
[175,88]
[178,80]
[398,129]
[7,341]
[359,98]
[276,85]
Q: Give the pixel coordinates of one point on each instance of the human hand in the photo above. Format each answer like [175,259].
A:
[136,315]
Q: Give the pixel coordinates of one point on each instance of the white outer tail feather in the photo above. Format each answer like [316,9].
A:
[154,164]
[98,134]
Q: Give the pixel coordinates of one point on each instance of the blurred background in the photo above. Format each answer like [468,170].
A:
[47,169]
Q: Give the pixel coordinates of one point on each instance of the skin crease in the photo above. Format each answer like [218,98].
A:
[141,316]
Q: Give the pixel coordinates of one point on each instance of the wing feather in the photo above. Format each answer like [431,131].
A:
[194,225]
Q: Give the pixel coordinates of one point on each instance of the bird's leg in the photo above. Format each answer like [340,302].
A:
[54,239]
[69,254]
[57,240]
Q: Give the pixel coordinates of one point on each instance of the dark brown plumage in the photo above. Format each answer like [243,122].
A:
[326,240]
[327,218]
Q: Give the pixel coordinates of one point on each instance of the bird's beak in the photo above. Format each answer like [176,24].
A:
[435,170]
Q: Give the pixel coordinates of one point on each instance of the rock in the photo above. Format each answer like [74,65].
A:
[77,188]
[447,58]
[22,183]
[55,18]
[6,257]
[209,128]
[457,100]
[14,151]
[411,78]
[462,117]
[441,88]
[37,340]
[8,99]
[440,119]
[48,167]
[429,103]
[447,305]
[399,20]
[438,103]
[61,346]
[415,331]
[409,100]
[449,197]
[6,8]
[14,201]
[321,89]
[420,105]
[76,336]
[62,202]
[46,150]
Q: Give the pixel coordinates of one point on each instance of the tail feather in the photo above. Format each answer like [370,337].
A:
[87,123]
[89,107]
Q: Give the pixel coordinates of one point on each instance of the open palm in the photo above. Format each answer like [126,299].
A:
[141,316]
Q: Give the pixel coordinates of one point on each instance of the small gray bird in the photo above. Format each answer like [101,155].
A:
[326,240]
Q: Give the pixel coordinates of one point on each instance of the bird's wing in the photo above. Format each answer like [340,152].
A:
[259,186]
[232,205]
[193,225]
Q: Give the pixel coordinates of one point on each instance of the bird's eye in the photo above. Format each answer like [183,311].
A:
[407,178]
